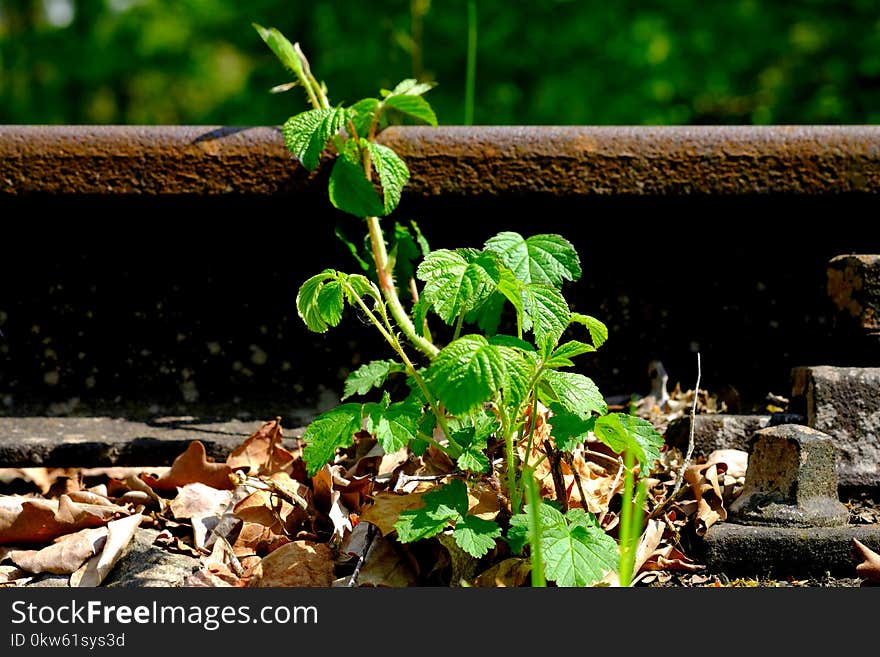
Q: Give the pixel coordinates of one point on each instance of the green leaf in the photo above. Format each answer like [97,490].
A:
[362,114]
[282,48]
[519,368]
[546,259]
[562,355]
[473,440]
[443,506]
[410,86]
[574,554]
[475,535]
[569,430]
[328,432]
[392,171]
[598,330]
[466,373]
[545,312]
[518,533]
[306,134]
[628,432]
[394,426]
[320,309]
[457,281]
[368,376]
[576,393]
[349,189]
[414,106]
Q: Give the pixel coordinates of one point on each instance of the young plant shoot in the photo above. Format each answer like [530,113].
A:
[483,389]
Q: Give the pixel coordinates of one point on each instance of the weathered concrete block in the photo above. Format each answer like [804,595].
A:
[713,432]
[747,551]
[854,289]
[844,402]
[791,480]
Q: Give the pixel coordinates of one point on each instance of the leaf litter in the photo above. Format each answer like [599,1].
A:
[258,519]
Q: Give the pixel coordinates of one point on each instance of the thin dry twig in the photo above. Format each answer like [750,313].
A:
[690,450]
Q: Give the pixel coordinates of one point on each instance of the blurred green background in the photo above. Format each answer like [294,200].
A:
[538,62]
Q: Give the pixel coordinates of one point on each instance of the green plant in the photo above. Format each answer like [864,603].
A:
[483,388]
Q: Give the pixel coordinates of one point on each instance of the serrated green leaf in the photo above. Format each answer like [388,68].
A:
[575,393]
[546,259]
[473,441]
[362,115]
[562,355]
[466,373]
[574,554]
[331,302]
[575,517]
[568,429]
[282,48]
[392,171]
[519,368]
[318,310]
[545,312]
[414,106]
[598,330]
[518,533]
[328,432]
[307,133]
[444,505]
[457,281]
[475,535]
[394,426]
[368,376]
[363,287]
[629,432]
[349,189]
[411,87]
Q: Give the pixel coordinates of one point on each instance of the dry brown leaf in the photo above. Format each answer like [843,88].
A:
[65,555]
[88,497]
[25,520]
[119,535]
[385,566]
[703,482]
[387,507]
[199,500]
[14,576]
[869,566]
[736,461]
[510,573]
[300,563]
[255,538]
[273,511]
[263,453]
[483,502]
[190,467]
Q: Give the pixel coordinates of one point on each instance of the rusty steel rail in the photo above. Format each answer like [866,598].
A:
[456,161]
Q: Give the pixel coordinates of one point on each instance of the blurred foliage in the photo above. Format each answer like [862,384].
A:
[541,62]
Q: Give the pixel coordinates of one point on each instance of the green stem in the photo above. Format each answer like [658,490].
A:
[533,501]
[389,290]
[458,324]
[471,66]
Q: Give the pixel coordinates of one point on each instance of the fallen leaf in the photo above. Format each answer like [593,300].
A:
[510,573]
[88,497]
[190,467]
[14,576]
[119,535]
[26,520]
[262,453]
[703,482]
[387,507]
[735,460]
[65,555]
[255,538]
[198,499]
[297,564]
[869,566]
[384,566]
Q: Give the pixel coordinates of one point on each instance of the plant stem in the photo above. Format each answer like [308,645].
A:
[389,290]
[471,66]
[533,501]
